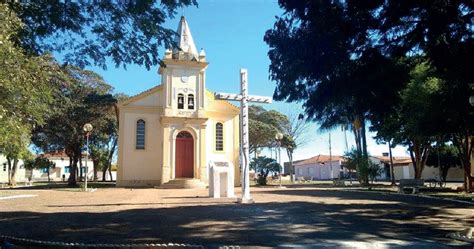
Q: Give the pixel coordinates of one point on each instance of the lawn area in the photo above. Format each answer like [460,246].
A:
[384,187]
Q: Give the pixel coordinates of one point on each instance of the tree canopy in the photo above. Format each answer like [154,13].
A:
[84,97]
[91,32]
[348,62]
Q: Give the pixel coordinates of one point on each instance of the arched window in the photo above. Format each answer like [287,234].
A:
[219,137]
[190,102]
[180,101]
[140,136]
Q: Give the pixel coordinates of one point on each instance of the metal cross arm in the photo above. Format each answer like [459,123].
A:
[244,98]
[238,97]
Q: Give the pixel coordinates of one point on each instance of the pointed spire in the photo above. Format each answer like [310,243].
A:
[184,39]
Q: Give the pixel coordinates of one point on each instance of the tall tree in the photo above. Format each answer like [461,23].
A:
[444,156]
[349,64]
[26,90]
[410,124]
[83,98]
[91,32]
[294,136]
[338,81]
[262,128]
[104,141]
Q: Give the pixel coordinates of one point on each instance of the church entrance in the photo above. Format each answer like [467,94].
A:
[184,161]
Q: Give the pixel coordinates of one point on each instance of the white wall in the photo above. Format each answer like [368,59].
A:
[20,173]
[407,172]
[60,169]
[319,171]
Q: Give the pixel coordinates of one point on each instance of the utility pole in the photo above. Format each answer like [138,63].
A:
[392,175]
[330,156]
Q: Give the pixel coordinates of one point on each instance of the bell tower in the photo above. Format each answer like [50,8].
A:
[183,75]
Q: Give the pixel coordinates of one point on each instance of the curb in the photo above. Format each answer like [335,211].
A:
[417,195]
[10,241]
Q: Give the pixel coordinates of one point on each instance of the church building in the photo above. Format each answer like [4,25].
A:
[172,131]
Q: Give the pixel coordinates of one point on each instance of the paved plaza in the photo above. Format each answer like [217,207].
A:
[280,217]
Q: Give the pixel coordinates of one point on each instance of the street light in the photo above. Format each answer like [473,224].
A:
[278,138]
[87,129]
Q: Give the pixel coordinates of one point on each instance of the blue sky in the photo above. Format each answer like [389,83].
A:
[231,33]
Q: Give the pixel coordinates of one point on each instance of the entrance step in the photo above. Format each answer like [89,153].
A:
[180,183]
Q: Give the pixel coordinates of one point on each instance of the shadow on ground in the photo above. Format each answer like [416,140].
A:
[406,218]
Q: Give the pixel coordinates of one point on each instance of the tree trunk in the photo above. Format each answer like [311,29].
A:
[110,171]
[364,140]
[12,168]
[47,173]
[290,167]
[9,167]
[72,173]
[13,172]
[80,169]
[111,155]
[95,164]
[104,174]
[419,154]
[465,144]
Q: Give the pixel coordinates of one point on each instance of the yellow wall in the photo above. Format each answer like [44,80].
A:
[155,165]
[140,167]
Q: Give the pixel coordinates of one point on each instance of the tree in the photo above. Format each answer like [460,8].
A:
[91,32]
[350,65]
[104,141]
[25,91]
[41,163]
[289,144]
[263,125]
[264,166]
[373,171]
[16,150]
[444,156]
[410,124]
[294,136]
[83,98]
[354,160]
[338,81]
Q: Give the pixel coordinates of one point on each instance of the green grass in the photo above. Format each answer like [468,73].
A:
[445,193]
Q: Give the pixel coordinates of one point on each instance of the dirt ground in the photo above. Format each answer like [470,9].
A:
[279,217]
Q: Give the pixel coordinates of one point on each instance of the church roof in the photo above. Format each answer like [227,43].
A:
[184,39]
[140,95]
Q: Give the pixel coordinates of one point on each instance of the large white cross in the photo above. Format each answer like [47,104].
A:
[244,98]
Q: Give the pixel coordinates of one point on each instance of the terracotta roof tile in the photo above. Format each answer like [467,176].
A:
[320,159]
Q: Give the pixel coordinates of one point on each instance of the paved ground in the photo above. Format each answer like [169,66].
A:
[292,216]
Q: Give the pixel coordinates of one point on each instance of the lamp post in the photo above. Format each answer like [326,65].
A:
[87,129]
[278,138]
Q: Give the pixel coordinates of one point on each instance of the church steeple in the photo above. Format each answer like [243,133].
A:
[185,40]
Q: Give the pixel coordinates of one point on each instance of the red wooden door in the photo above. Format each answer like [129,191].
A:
[184,155]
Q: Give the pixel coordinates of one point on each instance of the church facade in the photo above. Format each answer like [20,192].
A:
[172,131]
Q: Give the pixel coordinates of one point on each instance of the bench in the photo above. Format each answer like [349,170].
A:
[410,184]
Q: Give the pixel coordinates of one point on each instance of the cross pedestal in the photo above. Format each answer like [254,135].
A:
[244,98]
